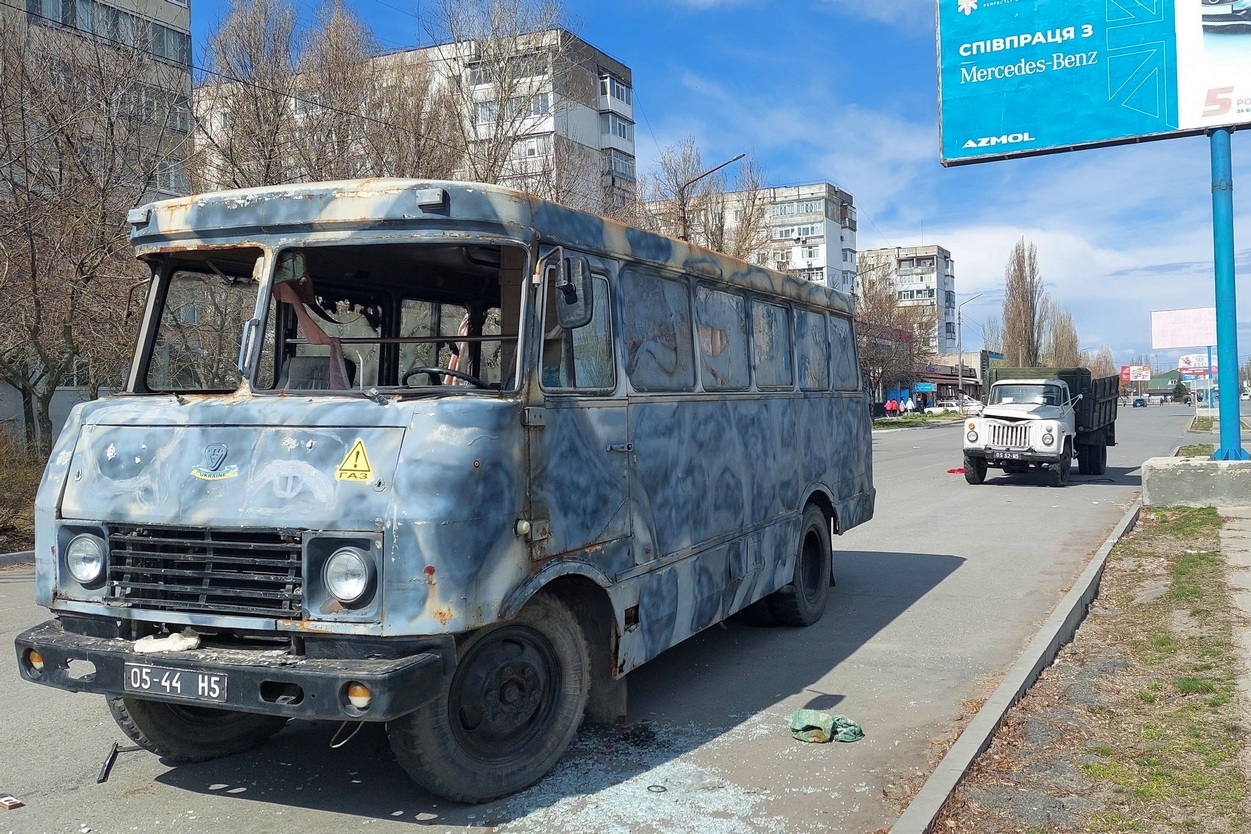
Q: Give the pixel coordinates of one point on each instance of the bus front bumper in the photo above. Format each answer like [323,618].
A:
[266,681]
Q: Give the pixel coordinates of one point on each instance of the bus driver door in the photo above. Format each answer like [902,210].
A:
[578,447]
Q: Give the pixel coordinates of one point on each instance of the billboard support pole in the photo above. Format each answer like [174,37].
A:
[1226,307]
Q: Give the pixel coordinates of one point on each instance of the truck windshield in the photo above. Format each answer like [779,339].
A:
[1031,394]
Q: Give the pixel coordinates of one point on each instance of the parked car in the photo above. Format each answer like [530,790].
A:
[1140,402]
[943,407]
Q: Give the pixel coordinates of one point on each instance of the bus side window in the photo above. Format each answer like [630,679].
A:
[658,348]
[581,358]
[771,345]
[812,350]
[846,368]
[721,320]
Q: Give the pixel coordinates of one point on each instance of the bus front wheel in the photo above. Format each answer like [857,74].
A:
[802,602]
[184,733]
[508,711]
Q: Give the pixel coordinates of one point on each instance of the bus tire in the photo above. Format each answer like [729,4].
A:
[507,713]
[803,601]
[184,733]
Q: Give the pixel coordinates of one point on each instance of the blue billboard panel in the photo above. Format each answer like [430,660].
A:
[1020,77]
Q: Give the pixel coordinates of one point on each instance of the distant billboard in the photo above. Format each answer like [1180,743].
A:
[1021,77]
[1139,373]
[1195,366]
[1194,327]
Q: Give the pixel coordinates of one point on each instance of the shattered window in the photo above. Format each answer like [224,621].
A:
[201,319]
[580,358]
[721,320]
[771,345]
[812,350]
[659,353]
[846,369]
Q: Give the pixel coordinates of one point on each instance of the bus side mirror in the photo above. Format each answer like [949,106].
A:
[574,299]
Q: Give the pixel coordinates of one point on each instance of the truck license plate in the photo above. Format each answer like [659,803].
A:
[175,683]
[1011,455]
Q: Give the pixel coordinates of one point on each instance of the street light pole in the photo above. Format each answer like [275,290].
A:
[682,234]
[960,349]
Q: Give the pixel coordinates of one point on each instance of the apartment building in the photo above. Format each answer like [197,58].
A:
[565,107]
[922,276]
[812,234]
[545,113]
[807,230]
[160,96]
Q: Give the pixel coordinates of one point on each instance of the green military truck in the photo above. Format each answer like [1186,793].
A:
[1042,418]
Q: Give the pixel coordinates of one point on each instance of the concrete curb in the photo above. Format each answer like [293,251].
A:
[22,557]
[976,737]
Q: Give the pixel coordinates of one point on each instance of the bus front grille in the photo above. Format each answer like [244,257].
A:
[1011,435]
[248,573]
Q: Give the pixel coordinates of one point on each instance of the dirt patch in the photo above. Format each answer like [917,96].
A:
[1137,726]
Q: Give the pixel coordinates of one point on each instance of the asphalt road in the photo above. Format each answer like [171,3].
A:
[935,599]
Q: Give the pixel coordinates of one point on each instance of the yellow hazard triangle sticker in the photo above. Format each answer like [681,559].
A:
[355,466]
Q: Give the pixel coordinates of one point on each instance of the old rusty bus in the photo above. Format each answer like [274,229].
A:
[440,455]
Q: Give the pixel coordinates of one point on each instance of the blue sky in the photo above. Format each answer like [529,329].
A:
[845,91]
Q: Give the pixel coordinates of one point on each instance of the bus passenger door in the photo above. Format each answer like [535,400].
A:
[578,438]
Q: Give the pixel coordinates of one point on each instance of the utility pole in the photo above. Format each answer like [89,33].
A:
[960,349]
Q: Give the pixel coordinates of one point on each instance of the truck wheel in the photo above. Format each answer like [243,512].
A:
[1084,459]
[803,601]
[1059,472]
[508,711]
[974,470]
[191,734]
[1099,463]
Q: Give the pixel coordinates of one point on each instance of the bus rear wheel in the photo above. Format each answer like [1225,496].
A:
[507,713]
[188,733]
[803,601]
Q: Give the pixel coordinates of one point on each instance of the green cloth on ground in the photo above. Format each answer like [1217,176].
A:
[818,727]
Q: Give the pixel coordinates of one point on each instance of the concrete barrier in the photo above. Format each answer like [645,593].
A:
[22,557]
[1196,482]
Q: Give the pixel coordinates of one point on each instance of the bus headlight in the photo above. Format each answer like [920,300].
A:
[85,558]
[349,575]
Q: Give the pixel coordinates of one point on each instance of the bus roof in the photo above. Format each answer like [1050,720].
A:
[385,207]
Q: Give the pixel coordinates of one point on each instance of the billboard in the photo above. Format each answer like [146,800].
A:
[1195,366]
[1195,327]
[1021,77]
[1139,373]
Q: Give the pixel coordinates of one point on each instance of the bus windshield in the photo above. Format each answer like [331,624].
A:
[417,318]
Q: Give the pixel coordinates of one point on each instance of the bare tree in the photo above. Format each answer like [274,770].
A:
[708,211]
[362,113]
[1023,307]
[1062,347]
[510,62]
[89,127]
[992,334]
[737,223]
[244,117]
[894,340]
[1101,364]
